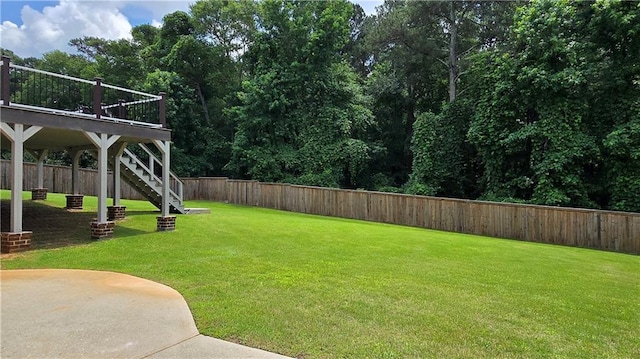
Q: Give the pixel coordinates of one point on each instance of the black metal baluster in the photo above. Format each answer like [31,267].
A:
[39,101]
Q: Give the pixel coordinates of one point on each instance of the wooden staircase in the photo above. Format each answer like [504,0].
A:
[140,174]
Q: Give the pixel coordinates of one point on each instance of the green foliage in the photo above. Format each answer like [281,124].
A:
[229,25]
[392,107]
[303,116]
[424,180]
[207,154]
[115,61]
[623,145]
[144,35]
[14,58]
[443,160]
[545,108]
[66,64]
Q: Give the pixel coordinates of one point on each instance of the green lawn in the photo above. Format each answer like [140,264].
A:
[318,287]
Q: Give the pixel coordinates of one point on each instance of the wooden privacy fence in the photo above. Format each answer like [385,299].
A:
[615,231]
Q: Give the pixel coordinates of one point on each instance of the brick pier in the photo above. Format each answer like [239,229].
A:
[115,213]
[166,223]
[39,194]
[15,242]
[102,230]
[74,201]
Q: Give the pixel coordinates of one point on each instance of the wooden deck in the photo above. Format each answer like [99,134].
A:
[41,112]
[62,131]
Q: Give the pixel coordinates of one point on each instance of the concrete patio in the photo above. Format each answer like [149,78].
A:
[60,313]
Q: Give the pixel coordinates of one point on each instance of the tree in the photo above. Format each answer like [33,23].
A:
[444,162]
[428,46]
[615,102]
[205,79]
[117,62]
[547,104]
[71,65]
[194,60]
[145,35]
[357,48]
[391,100]
[303,115]
[446,32]
[198,149]
[227,24]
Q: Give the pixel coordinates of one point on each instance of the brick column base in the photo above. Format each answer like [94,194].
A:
[115,213]
[74,201]
[166,223]
[38,194]
[102,230]
[11,242]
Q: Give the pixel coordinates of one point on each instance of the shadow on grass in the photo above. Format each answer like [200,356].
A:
[55,227]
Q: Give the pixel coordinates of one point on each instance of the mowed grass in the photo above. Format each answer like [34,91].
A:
[318,287]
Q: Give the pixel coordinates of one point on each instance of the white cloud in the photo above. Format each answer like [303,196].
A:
[159,8]
[11,34]
[52,28]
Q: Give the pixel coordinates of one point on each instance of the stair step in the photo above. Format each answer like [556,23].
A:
[145,182]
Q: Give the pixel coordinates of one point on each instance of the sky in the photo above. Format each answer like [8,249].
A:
[31,28]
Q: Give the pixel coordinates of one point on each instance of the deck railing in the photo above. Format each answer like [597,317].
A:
[29,88]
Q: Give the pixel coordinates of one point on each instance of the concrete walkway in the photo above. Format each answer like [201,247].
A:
[61,313]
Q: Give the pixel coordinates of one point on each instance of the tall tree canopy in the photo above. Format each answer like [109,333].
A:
[303,114]
[553,106]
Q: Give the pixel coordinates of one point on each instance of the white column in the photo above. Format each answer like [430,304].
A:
[41,155]
[116,174]
[164,147]
[102,181]
[102,141]
[75,171]
[17,135]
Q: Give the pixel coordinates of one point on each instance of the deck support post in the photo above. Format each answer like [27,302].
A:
[101,228]
[42,154]
[117,157]
[17,239]
[75,171]
[116,211]
[165,221]
[74,200]
[39,192]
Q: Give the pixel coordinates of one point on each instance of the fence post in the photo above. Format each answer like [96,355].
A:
[162,110]
[97,97]
[5,92]
[121,110]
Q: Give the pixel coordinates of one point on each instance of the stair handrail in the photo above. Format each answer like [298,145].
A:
[153,176]
[146,169]
[152,159]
